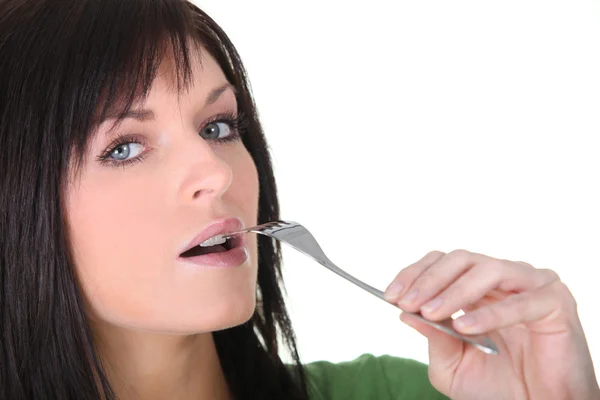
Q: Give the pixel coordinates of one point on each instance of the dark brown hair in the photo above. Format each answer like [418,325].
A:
[63,65]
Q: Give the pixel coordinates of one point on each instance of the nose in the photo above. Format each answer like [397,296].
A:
[207,175]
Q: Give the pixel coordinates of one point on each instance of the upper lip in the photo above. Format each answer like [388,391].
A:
[219,227]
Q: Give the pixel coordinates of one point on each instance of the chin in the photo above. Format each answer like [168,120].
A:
[209,317]
[216,316]
[233,314]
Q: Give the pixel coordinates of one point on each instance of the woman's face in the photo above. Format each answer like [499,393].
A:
[141,200]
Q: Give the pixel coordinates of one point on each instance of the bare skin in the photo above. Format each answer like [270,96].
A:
[528,312]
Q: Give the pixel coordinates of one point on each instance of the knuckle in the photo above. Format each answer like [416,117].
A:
[491,269]
[425,280]
[546,276]
[550,274]
[416,269]
[410,272]
[424,262]
[565,297]
[433,255]
[459,254]
[524,264]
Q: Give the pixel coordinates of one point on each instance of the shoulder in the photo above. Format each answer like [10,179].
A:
[370,377]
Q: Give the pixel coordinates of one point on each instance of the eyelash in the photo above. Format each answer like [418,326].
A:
[237,124]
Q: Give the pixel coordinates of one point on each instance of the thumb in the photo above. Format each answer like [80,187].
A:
[445,352]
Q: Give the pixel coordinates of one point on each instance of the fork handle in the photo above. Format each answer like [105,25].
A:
[334,268]
[482,342]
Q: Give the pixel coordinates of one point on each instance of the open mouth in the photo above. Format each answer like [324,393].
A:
[208,247]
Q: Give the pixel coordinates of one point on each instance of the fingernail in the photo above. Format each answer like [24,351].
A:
[466,322]
[410,296]
[432,305]
[393,291]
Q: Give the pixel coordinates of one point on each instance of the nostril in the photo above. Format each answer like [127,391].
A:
[201,192]
[205,181]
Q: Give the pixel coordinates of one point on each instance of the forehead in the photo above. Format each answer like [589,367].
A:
[205,74]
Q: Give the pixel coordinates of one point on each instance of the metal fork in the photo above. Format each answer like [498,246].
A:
[299,238]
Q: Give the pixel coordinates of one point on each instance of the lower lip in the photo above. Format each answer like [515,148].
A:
[235,257]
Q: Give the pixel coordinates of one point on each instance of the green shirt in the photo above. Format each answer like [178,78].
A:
[370,377]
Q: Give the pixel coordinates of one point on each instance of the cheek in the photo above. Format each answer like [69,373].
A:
[119,237]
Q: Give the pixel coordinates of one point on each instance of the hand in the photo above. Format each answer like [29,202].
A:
[529,313]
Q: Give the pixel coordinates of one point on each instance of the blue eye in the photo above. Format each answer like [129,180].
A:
[216,130]
[132,148]
[125,151]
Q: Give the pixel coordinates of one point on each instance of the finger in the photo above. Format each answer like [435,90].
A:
[445,351]
[438,276]
[481,280]
[528,307]
[490,298]
[407,276]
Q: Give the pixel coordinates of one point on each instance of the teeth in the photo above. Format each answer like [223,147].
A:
[219,239]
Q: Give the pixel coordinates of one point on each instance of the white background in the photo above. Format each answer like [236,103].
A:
[401,127]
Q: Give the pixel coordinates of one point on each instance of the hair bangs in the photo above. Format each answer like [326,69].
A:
[116,70]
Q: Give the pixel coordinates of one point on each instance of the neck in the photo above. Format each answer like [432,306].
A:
[148,366]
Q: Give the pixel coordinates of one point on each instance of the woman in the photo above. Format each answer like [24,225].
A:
[129,137]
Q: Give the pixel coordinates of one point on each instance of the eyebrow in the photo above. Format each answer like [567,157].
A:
[143,115]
